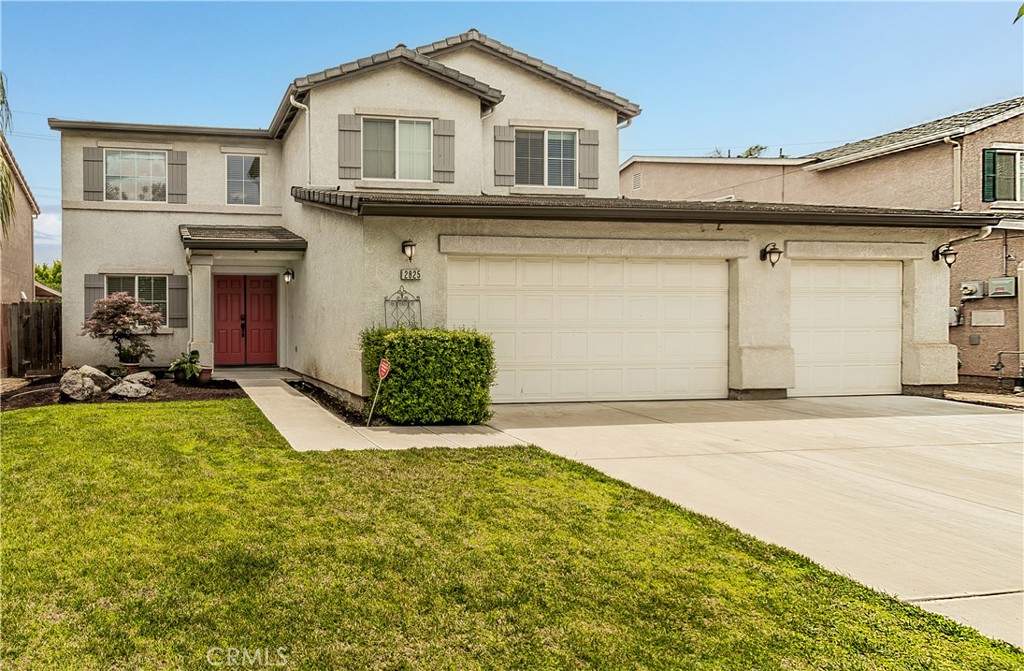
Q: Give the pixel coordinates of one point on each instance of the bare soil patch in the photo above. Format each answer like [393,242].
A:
[346,412]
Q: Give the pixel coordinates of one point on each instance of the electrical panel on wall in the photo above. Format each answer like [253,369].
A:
[972,289]
[1002,286]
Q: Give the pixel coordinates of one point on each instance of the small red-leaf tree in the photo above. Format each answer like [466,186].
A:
[126,323]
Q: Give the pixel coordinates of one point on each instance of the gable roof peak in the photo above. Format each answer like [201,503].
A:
[623,107]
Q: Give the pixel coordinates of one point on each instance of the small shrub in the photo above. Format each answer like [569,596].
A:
[437,376]
[125,322]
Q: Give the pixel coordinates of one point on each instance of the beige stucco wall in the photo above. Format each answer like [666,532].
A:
[396,90]
[17,261]
[143,238]
[541,103]
[760,355]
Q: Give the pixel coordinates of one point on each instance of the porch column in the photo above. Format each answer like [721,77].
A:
[761,364]
[929,360]
[202,308]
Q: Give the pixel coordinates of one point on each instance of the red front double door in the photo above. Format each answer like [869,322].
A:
[245,320]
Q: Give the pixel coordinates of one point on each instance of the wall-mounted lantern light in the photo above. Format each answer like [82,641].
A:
[409,249]
[946,253]
[771,254]
[289,275]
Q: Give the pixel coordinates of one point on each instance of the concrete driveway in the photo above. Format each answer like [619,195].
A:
[916,497]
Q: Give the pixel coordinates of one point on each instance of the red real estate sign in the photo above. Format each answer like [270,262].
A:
[384,368]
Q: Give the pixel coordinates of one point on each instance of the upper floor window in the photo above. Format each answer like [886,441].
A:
[243,180]
[1003,175]
[135,175]
[546,157]
[149,290]
[396,149]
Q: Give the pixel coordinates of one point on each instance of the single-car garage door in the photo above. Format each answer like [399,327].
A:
[847,327]
[574,329]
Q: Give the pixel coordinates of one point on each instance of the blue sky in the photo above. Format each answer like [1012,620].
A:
[800,76]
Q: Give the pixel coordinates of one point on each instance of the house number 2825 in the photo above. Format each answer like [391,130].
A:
[410,274]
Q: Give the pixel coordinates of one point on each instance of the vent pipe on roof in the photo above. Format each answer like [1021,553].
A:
[957,180]
[309,141]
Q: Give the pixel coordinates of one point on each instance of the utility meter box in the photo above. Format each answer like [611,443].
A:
[954,316]
[972,289]
[1002,286]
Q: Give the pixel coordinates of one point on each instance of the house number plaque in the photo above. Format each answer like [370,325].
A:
[409,274]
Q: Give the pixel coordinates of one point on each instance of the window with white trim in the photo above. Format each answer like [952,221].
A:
[397,149]
[545,157]
[135,175]
[243,185]
[149,290]
[1009,175]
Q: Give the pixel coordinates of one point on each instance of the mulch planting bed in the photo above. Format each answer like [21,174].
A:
[345,412]
[45,391]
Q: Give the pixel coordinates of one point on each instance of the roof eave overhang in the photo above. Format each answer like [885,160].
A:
[886,150]
[158,129]
[352,205]
[245,245]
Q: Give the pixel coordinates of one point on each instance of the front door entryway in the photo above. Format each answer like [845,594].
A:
[245,320]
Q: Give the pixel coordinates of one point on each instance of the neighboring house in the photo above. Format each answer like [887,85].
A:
[17,259]
[45,293]
[972,162]
[485,182]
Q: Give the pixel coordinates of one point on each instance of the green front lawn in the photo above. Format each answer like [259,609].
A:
[142,536]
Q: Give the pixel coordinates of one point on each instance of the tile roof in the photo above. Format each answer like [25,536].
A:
[625,108]
[951,125]
[577,207]
[203,236]
[401,53]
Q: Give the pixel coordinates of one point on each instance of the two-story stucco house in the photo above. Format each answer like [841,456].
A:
[972,161]
[485,182]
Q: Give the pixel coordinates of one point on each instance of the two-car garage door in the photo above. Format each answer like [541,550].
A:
[597,328]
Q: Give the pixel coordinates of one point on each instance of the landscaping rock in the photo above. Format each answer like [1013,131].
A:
[125,389]
[99,378]
[145,378]
[77,387]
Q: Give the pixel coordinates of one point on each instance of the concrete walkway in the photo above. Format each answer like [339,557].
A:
[307,426]
[916,497]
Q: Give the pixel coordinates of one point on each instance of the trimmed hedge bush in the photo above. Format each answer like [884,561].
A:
[437,376]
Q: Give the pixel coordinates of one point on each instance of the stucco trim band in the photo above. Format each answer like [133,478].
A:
[608,247]
[867,251]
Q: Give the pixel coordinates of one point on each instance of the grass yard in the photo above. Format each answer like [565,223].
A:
[143,536]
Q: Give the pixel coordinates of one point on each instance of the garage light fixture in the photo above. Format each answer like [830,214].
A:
[946,253]
[409,249]
[771,254]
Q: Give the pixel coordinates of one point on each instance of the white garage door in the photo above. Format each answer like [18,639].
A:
[846,327]
[568,329]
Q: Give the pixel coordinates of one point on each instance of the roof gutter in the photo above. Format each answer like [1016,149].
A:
[553,213]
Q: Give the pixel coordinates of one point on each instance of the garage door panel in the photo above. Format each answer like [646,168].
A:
[606,273]
[464,272]
[577,329]
[572,273]
[846,327]
[537,273]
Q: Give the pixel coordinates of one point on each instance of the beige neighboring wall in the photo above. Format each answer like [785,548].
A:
[17,259]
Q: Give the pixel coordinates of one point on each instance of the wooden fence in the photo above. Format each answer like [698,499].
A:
[31,338]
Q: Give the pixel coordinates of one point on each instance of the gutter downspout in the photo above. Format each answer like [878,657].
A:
[309,140]
[957,179]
